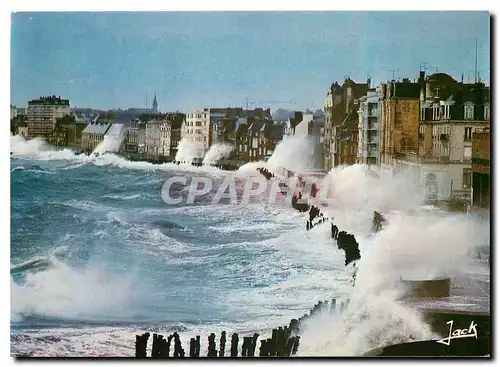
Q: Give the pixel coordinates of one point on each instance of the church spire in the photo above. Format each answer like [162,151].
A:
[155,105]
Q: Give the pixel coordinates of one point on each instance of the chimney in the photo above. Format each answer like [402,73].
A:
[421,78]
[369,83]
[421,82]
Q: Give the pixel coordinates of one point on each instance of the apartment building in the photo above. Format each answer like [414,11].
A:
[43,113]
[135,138]
[341,122]
[449,114]
[369,128]
[197,128]
[399,116]
[481,163]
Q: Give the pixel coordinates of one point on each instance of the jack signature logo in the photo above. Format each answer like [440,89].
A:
[459,333]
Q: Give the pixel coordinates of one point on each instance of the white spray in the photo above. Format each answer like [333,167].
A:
[188,150]
[216,152]
[295,153]
[418,244]
[38,148]
[112,140]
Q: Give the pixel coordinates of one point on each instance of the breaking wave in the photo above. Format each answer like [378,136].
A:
[216,152]
[133,262]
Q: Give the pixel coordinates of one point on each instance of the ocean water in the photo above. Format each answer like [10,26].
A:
[97,257]
[95,252]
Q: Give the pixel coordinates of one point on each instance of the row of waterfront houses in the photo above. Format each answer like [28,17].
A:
[252,133]
[432,128]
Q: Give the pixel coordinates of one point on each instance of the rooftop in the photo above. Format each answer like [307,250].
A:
[115,129]
[50,100]
[441,78]
[273,131]
[96,129]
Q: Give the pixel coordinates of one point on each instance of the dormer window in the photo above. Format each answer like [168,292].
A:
[469,111]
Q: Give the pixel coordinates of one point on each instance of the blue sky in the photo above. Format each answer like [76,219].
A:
[216,59]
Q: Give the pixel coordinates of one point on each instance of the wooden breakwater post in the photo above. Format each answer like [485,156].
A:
[160,347]
[254,344]
[194,347]
[178,351]
[155,347]
[212,352]
[234,345]
[141,344]
[245,346]
[335,231]
[263,348]
[167,346]
[295,346]
[249,345]
[222,344]
[283,342]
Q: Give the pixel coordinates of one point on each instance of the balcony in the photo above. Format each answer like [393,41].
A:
[422,159]
[441,159]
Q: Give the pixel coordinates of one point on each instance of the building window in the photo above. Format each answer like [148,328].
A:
[469,111]
[446,112]
[486,111]
[468,133]
[467,153]
[467,175]
[435,112]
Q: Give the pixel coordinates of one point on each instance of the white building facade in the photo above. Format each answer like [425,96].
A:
[329,132]
[369,128]
[196,128]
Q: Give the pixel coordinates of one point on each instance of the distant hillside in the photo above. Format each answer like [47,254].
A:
[283,115]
